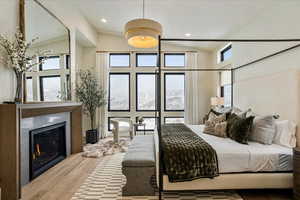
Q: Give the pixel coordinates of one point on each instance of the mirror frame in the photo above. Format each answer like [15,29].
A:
[22,26]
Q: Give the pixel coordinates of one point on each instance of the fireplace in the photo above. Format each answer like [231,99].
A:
[47,148]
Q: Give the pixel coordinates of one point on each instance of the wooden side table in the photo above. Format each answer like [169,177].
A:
[136,125]
[296,169]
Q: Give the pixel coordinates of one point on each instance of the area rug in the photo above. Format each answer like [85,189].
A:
[105,147]
[106,182]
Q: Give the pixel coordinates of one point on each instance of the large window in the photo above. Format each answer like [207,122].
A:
[119,92]
[52,62]
[226,53]
[145,95]
[146,60]
[50,88]
[119,60]
[174,92]
[174,59]
[132,88]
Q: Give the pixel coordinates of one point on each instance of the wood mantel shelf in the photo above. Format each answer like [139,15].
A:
[11,116]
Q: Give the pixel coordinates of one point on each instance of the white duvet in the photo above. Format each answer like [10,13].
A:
[236,157]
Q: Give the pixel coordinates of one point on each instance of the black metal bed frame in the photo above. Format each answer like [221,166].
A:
[232,70]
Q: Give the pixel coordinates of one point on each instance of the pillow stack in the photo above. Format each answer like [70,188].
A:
[239,128]
[244,126]
[216,124]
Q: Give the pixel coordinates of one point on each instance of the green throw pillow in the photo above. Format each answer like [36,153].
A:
[239,128]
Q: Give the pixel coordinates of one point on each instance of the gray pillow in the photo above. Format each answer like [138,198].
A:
[263,129]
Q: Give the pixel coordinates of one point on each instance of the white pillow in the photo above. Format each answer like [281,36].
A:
[263,129]
[285,134]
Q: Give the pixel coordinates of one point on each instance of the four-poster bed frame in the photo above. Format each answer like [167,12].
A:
[268,178]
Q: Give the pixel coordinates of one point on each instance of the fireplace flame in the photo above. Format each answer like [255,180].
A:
[38,152]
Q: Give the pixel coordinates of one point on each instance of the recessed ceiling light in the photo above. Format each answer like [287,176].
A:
[103,20]
[187,34]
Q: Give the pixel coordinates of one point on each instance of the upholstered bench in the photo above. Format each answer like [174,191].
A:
[139,167]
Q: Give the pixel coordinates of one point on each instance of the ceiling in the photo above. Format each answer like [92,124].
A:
[200,18]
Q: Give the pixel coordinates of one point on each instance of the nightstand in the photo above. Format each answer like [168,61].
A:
[296,168]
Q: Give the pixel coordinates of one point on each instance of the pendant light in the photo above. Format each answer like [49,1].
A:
[143,33]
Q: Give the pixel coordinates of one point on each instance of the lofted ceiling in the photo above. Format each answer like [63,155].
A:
[200,18]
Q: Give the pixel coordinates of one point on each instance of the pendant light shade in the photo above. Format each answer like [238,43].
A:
[143,33]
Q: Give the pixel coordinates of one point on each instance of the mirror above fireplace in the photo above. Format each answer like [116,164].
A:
[49,81]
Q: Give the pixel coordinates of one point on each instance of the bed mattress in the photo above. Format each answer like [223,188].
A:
[234,157]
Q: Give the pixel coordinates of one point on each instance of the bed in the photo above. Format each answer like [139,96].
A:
[252,166]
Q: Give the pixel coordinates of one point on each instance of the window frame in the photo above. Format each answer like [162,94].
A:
[165,89]
[166,54]
[146,117]
[129,91]
[137,63]
[136,91]
[109,118]
[41,64]
[181,117]
[223,51]
[42,97]
[122,67]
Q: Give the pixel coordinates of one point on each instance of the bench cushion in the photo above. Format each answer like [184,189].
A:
[140,153]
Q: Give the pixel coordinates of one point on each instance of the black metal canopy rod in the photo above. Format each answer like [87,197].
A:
[232,40]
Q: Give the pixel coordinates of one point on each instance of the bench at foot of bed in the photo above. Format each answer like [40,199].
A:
[139,167]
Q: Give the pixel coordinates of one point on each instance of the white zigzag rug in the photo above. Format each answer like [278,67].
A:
[106,182]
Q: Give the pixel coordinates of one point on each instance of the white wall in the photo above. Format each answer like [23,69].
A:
[270,86]
[9,22]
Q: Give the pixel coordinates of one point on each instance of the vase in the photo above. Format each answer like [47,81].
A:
[92,136]
[19,88]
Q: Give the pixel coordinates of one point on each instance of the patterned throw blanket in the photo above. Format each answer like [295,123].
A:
[185,155]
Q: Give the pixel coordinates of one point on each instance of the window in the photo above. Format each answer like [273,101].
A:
[145,95]
[226,53]
[29,89]
[174,92]
[119,60]
[226,93]
[174,59]
[122,123]
[52,62]
[119,92]
[150,124]
[146,60]
[50,88]
[172,120]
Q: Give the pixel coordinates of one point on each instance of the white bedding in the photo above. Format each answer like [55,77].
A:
[255,157]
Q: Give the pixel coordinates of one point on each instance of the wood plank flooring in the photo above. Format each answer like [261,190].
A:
[63,180]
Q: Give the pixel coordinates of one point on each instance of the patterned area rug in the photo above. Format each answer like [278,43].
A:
[106,183]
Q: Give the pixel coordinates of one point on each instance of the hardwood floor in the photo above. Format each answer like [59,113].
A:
[275,194]
[63,180]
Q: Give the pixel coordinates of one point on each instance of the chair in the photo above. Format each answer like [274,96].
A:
[121,126]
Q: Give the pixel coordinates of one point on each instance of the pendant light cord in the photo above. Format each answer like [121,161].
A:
[143,9]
